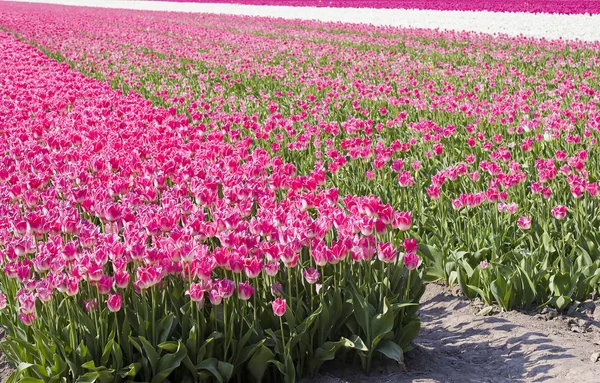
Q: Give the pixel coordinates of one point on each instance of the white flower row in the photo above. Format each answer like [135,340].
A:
[550,26]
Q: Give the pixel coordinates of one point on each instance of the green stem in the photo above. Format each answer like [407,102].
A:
[283,336]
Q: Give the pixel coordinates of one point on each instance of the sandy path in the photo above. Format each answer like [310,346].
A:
[551,26]
[455,345]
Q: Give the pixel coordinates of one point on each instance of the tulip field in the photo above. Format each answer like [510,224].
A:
[196,197]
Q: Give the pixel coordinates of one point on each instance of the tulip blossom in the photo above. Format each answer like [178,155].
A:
[311,275]
[411,261]
[386,252]
[90,304]
[195,292]
[524,222]
[27,318]
[245,291]
[402,220]
[114,302]
[279,306]
[559,212]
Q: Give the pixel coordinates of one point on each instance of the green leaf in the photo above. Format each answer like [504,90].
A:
[435,263]
[392,351]
[246,352]
[501,291]
[560,284]
[328,350]
[130,371]
[357,343]
[381,324]
[258,363]
[106,353]
[36,368]
[151,353]
[547,242]
[290,369]
[561,302]
[464,285]
[210,365]
[225,369]
[165,328]
[408,332]
[90,377]
[168,363]
[361,312]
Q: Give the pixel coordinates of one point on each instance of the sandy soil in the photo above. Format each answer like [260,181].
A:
[457,345]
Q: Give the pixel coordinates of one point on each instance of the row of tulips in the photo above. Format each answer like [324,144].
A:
[292,150]
[134,252]
[490,140]
[530,6]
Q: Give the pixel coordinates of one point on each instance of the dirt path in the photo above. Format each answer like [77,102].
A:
[456,345]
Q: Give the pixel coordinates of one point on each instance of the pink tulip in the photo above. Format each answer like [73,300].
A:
[279,306]
[559,212]
[72,287]
[105,284]
[245,291]
[147,277]
[114,302]
[122,279]
[27,318]
[26,301]
[397,165]
[253,267]
[113,213]
[386,252]
[402,220]
[410,245]
[90,304]
[214,297]
[271,268]
[524,222]
[2,301]
[411,261]
[196,292]
[225,287]
[434,192]
[311,275]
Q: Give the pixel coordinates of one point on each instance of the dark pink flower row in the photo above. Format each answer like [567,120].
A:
[530,6]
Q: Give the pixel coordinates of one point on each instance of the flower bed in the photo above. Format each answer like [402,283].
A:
[228,196]
[138,248]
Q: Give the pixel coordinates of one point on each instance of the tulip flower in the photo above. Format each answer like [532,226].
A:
[411,261]
[279,306]
[524,222]
[559,212]
[114,302]
[245,291]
